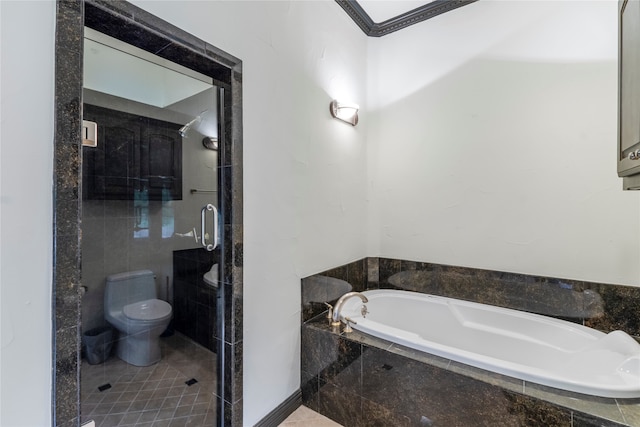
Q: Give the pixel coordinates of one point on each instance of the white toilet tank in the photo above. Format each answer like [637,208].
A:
[126,288]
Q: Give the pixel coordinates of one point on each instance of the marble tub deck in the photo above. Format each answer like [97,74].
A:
[387,382]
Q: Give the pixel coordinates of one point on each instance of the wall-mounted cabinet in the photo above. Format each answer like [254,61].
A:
[629,94]
[135,156]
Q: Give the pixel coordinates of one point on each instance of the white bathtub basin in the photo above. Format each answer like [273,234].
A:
[527,346]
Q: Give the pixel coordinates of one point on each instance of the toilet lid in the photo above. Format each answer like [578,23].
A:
[147,310]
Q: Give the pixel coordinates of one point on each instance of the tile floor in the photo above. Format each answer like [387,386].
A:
[305,417]
[158,396]
[153,396]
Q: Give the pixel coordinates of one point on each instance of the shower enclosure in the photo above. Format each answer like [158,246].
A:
[149,213]
[150,199]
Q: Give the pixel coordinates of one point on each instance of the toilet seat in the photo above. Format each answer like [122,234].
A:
[151,309]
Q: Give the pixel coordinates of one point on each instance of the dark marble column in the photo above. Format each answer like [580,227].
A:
[67,167]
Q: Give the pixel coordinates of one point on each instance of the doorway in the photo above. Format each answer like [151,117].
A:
[141,214]
[149,203]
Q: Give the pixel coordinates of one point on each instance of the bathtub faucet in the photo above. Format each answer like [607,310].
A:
[338,308]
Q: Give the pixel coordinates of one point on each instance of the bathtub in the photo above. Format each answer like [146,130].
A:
[526,346]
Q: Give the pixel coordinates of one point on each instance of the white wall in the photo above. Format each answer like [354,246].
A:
[495,134]
[26,167]
[304,185]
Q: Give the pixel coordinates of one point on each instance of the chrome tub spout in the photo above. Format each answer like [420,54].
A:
[338,308]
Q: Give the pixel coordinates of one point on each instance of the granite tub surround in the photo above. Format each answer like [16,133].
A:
[359,380]
[602,306]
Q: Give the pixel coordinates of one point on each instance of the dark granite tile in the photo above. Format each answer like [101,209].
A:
[67,267]
[424,280]
[320,289]
[220,56]
[238,257]
[372,272]
[69,25]
[357,275]
[311,310]
[583,420]
[113,18]
[67,300]
[233,372]
[225,175]
[343,408]
[232,413]
[67,374]
[417,390]
[621,309]
[232,313]
[236,317]
[233,119]
[310,387]
[334,358]
[66,213]
[195,60]
[228,252]
[228,143]
[396,383]
[68,171]
[341,273]
[376,415]
[458,282]
[387,268]
[116,8]
[535,413]
[236,191]
[177,36]
[553,297]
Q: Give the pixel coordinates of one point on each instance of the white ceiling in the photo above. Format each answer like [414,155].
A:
[381,10]
[115,68]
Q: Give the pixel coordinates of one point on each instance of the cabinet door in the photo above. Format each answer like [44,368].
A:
[161,160]
[111,168]
[629,87]
[135,154]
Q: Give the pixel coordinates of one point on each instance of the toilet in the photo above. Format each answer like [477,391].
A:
[132,307]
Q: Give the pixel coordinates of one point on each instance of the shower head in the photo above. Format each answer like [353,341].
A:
[185,129]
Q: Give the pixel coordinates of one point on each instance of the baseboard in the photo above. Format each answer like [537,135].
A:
[282,411]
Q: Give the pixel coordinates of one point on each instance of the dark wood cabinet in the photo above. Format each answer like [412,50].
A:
[136,157]
[629,93]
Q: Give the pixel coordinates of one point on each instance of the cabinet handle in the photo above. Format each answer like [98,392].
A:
[203,213]
[634,155]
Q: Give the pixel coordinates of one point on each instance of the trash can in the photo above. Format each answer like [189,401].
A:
[97,343]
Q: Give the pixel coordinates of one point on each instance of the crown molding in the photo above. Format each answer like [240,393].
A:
[419,14]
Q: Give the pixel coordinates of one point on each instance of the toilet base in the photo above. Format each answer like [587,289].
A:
[142,349]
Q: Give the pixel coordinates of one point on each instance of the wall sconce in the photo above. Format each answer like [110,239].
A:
[344,111]
[210,142]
